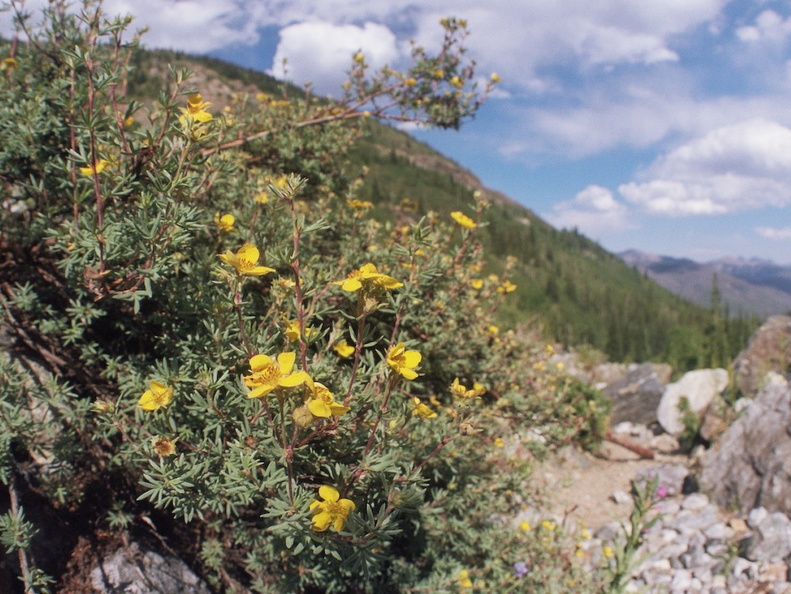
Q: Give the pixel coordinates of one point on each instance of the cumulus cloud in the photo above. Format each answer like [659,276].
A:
[783,233]
[594,210]
[769,26]
[732,168]
[320,52]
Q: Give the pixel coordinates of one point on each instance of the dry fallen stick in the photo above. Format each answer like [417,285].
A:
[629,445]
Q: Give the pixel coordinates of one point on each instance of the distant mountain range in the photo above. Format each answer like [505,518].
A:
[748,286]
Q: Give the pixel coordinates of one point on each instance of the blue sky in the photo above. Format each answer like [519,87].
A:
[658,125]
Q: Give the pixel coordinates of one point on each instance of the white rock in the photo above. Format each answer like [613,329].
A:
[621,497]
[756,516]
[695,502]
[699,387]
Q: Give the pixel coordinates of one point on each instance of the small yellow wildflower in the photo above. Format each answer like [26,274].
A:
[492,330]
[464,579]
[368,279]
[268,374]
[463,220]
[224,222]
[196,109]
[506,287]
[525,526]
[410,82]
[129,121]
[495,78]
[460,390]
[403,361]
[456,82]
[333,511]
[359,204]
[476,284]
[608,552]
[245,260]
[323,403]
[163,446]
[157,396]
[101,164]
[261,197]
[499,443]
[8,64]
[359,58]
[286,284]
[586,534]
[344,349]
[422,410]
[548,525]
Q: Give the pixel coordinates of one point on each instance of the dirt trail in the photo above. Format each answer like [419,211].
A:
[580,486]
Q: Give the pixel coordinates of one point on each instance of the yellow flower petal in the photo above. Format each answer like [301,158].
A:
[328,493]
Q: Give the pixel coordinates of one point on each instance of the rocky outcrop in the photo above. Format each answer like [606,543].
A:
[769,349]
[750,465]
[699,387]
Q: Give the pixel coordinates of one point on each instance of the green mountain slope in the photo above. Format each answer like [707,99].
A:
[569,287]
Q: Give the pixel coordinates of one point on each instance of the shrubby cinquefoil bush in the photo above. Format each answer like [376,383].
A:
[223,336]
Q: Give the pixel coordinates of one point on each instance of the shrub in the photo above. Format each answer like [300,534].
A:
[225,338]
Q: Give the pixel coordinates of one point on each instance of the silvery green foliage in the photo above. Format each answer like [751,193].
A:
[112,283]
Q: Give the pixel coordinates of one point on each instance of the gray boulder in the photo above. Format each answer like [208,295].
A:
[769,349]
[771,539]
[636,395]
[137,571]
[750,465]
[699,387]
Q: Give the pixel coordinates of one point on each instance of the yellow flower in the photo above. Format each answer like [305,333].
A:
[344,349]
[323,403]
[411,81]
[492,330]
[196,109]
[460,390]
[499,443]
[8,64]
[333,511]
[245,260]
[547,525]
[525,526]
[293,334]
[359,204]
[463,220]
[163,446]
[456,82]
[506,287]
[225,222]
[129,121]
[608,552]
[261,197]
[477,284]
[268,374]
[422,410]
[101,164]
[368,279]
[157,396]
[464,579]
[495,78]
[403,361]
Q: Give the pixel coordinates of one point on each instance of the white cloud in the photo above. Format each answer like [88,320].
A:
[774,233]
[769,26]
[594,210]
[730,169]
[320,52]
